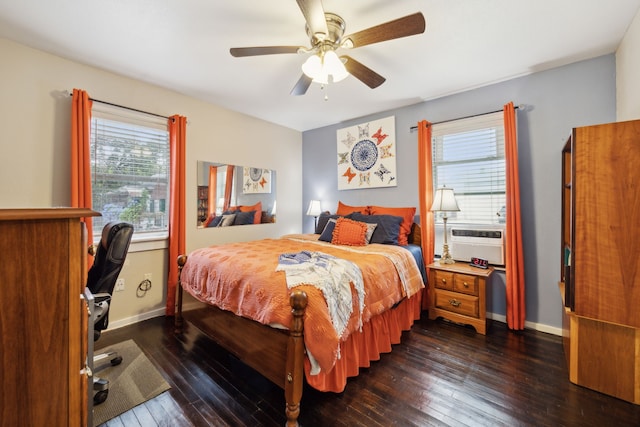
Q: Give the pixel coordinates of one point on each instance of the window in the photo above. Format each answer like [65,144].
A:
[468,156]
[220,189]
[130,170]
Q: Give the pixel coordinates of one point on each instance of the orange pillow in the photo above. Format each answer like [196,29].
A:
[349,232]
[257,207]
[407,215]
[346,209]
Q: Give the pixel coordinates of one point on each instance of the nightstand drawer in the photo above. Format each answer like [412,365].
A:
[457,292]
[458,303]
[443,280]
[466,283]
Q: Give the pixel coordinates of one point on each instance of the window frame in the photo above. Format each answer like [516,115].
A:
[493,180]
[141,240]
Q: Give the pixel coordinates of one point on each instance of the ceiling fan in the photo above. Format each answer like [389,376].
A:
[326,33]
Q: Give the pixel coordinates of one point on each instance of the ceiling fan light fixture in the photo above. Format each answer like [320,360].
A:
[326,35]
[312,66]
[320,68]
[334,66]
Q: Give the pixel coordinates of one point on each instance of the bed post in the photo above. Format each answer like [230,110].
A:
[182,259]
[295,358]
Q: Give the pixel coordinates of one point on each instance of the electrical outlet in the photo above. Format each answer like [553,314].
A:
[119,285]
[147,276]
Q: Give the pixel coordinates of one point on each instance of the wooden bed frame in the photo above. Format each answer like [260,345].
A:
[259,346]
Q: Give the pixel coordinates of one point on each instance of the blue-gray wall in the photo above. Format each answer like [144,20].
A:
[555,101]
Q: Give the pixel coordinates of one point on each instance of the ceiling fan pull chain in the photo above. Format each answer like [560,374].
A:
[326,91]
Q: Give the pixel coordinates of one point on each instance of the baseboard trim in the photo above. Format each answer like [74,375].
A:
[528,325]
[148,315]
[196,304]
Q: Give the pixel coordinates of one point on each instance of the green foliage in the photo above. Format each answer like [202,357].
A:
[136,208]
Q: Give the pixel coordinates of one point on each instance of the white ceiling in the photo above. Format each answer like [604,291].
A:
[184,46]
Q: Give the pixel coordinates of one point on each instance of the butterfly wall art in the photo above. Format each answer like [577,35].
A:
[367,155]
[256,180]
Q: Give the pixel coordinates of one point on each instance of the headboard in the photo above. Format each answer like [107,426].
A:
[415,237]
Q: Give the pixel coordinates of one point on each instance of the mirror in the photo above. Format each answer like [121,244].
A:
[229,194]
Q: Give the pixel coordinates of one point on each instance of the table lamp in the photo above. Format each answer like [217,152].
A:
[445,201]
[314,210]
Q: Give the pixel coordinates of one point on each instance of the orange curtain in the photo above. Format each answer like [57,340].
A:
[425,194]
[514,259]
[228,185]
[80,157]
[213,194]
[177,147]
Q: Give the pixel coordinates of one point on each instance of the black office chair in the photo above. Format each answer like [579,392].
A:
[110,255]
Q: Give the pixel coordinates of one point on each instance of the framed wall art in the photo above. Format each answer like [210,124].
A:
[256,180]
[367,155]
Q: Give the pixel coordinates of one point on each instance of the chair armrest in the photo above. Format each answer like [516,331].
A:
[101,297]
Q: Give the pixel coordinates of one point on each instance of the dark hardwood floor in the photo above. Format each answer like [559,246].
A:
[441,375]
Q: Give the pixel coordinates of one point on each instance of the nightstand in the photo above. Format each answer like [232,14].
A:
[457,292]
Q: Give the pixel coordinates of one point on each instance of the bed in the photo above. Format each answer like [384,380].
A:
[269,303]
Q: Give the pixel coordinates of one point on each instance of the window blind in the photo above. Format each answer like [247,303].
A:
[130,169]
[468,156]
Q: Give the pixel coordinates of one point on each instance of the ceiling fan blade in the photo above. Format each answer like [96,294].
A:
[303,84]
[314,15]
[363,73]
[262,50]
[402,27]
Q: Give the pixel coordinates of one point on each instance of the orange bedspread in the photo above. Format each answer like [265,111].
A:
[242,278]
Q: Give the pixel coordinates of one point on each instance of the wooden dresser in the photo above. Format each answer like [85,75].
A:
[600,258]
[457,292]
[43,319]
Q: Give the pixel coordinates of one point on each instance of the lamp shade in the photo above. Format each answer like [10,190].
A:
[444,201]
[320,66]
[334,67]
[312,67]
[314,208]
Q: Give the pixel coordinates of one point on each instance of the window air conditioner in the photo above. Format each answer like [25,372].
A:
[479,243]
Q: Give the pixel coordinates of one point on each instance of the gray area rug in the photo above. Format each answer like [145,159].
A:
[131,383]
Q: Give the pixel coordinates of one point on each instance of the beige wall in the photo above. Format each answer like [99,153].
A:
[34,155]
[628,73]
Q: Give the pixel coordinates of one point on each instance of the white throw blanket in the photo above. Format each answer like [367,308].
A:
[333,276]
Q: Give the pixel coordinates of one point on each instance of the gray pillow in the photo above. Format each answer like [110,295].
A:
[215,222]
[324,218]
[227,220]
[371,228]
[244,218]
[387,229]
[327,233]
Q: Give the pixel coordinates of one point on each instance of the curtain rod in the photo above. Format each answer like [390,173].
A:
[126,108]
[413,128]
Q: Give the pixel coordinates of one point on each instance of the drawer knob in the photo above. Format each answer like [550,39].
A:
[465,284]
[455,303]
[444,280]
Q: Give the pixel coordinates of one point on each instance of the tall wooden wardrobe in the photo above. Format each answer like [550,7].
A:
[600,258]
[43,319]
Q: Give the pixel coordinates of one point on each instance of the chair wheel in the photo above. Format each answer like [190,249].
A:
[100,397]
[116,361]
